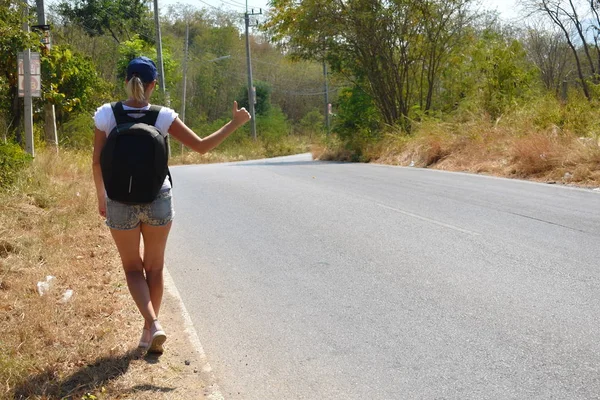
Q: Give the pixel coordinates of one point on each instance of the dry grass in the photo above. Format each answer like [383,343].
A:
[52,350]
[190,157]
[48,226]
[502,149]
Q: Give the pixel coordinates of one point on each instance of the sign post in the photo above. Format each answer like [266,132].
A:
[29,86]
[49,112]
[35,85]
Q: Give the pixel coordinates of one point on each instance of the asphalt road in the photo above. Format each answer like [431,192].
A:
[310,280]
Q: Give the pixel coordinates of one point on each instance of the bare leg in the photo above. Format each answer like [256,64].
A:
[155,241]
[128,245]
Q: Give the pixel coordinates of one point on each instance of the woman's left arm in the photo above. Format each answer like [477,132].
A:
[99,141]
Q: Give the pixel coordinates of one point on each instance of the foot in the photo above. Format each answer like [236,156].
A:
[158,337]
[145,339]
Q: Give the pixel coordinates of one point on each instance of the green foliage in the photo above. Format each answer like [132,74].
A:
[580,115]
[272,129]
[71,83]
[263,98]
[313,122]
[12,160]
[78,132]
[136,47]
[358,121]
[12,40]
[505,75]
[117,18]
[273,136]
[395,49]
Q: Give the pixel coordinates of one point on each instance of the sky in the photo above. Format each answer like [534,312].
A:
[508,8]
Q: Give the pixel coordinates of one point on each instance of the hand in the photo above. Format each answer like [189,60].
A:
[240,116]
[102,207]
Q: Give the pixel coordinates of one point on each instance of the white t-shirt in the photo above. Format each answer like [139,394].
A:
[104,120]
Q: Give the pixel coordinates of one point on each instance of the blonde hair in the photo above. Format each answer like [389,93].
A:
[136,89]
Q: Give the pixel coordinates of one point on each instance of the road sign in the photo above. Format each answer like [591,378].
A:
[36,87]
[36,79]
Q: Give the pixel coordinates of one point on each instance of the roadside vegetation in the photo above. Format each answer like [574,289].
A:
[436,84]
[53,347]
[441,84]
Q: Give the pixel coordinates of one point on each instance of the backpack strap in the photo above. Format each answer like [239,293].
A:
[152,115]
[122,117]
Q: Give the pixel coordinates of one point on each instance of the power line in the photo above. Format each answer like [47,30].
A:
[210,5]
[233,5]
[244,5]
[294,93]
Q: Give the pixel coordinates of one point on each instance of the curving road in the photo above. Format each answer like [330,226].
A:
[312,280]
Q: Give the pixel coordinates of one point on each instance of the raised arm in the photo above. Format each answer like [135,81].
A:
[185,135]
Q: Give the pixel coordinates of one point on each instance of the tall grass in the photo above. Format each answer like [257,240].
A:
[542,139]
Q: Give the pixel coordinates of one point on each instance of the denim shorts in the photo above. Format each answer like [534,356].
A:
[122,216]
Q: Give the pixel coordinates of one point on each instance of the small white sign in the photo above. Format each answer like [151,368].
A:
[36,87]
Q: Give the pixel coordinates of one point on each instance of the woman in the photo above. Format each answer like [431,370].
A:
[151,221]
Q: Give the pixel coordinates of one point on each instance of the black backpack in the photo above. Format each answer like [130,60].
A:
[134,160]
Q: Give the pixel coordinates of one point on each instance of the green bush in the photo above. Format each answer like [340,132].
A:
[12,160]
[358,122]
[312,123]
[78,133]
[263,98]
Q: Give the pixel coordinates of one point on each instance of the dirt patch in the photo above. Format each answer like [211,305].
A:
[178,374]
[6,248]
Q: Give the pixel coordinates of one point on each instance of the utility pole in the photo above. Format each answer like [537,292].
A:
[251,92]
[49,111]
[327,123]
[28,109]
[161,71]
[185,59]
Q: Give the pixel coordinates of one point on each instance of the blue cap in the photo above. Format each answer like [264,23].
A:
[144,68]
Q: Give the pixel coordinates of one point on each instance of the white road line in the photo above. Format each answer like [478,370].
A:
[429,220]
[212,391]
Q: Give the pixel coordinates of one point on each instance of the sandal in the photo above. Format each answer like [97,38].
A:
[158,338]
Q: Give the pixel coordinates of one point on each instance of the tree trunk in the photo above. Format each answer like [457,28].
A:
[558,22]
[17,112]
[586,47]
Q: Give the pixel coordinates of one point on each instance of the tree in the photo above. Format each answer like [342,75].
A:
[393,49]
[503,72]
[444,24]
[71,83]
[121,19]
[136,47]
[12,40]
[575,19]
[263,98]
[550,53]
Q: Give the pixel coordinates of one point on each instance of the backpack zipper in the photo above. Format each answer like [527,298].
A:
[130,180]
